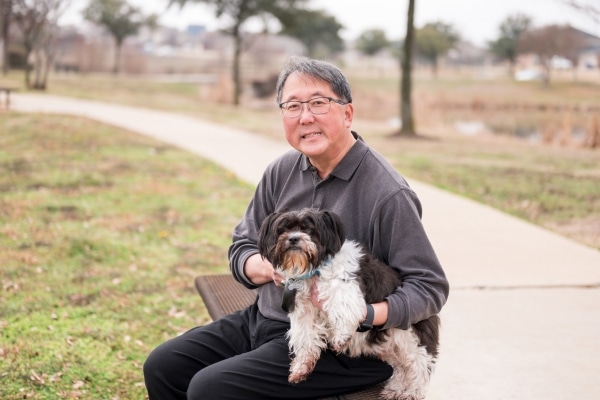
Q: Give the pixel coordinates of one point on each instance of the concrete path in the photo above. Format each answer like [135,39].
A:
[523,317]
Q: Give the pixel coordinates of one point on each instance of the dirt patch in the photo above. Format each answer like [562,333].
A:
[586,230]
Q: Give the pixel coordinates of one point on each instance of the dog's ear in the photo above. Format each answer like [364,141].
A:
[335,229]
[267,236]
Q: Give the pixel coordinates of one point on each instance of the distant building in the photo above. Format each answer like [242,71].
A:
[195,30]
[589,56]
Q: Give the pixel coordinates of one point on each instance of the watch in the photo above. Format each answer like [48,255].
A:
[367,324]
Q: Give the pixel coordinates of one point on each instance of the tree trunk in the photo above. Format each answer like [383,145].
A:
[46,71]
[6,9]
[119,45]
[406,112]
[237,82]
[37,68]
[547,70]
[28,52]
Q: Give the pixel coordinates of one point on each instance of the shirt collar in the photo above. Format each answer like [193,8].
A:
[348,165]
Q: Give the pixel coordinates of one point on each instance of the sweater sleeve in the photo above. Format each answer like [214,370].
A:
[402,237]
[245,234]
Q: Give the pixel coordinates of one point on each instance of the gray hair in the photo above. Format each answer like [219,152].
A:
[320,70]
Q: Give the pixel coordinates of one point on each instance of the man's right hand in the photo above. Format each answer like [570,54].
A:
[260,271]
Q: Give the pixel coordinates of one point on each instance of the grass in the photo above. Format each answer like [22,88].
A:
[101,234]
[102,230]
[555,188]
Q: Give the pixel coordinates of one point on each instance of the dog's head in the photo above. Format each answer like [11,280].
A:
[297,241]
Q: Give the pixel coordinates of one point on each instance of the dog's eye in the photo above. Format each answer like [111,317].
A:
[308,229]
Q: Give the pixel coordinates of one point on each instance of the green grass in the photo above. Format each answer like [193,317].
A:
[101,234]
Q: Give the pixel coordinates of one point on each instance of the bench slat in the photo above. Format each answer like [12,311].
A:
[222,295]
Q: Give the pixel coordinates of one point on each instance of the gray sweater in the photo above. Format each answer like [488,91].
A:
[379,210]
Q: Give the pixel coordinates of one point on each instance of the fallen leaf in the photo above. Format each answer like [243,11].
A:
[78,385]
[36,378]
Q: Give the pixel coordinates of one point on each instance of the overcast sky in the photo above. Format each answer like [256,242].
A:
[476,20]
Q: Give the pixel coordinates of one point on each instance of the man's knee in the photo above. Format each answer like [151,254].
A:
[153,363]
[162,376]
[160,366]
[206,384]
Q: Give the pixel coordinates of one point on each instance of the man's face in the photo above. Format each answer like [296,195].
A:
[319,137]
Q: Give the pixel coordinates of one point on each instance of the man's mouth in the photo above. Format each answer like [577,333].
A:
[311,135]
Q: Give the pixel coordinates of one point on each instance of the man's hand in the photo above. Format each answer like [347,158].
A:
[260,271]
[314,297]
[278,278]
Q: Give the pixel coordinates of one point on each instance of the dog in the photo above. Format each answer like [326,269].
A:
[309,249]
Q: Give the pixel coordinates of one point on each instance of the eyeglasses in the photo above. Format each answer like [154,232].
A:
[316,105]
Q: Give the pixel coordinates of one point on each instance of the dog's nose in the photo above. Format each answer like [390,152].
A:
[293,240]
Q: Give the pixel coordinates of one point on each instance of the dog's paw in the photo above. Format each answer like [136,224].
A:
[299,371]
[297,378]
[339,343]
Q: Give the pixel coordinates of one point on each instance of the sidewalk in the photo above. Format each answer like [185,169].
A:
[523,317]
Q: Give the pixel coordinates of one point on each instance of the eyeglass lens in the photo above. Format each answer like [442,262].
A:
[318,105]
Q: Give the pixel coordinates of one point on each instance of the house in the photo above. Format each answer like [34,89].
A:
[589,55]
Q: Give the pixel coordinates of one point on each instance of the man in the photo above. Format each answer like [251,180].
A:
[245,355]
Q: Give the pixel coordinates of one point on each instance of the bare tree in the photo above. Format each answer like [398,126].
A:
[406,111]
[550,41]
[591,11]
[34,18]
[44,55]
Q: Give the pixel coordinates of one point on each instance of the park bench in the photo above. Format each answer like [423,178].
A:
[222,295]
[7,90]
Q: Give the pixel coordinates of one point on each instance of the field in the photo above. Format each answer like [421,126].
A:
[102,230]
[526,154]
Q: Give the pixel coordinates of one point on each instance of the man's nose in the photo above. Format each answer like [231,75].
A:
[305,113]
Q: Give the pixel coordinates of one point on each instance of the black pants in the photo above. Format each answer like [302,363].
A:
[245,356]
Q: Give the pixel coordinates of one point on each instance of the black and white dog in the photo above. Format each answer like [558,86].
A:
[309,249]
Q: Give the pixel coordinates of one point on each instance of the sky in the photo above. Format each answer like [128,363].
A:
[477,21]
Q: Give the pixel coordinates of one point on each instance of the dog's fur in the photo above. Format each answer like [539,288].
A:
[297,243]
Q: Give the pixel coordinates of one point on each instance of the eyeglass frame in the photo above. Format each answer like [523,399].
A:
[330,99]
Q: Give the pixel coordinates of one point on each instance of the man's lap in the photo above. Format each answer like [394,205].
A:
[244,355]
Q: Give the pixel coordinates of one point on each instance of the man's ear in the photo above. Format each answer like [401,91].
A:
[349,115]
